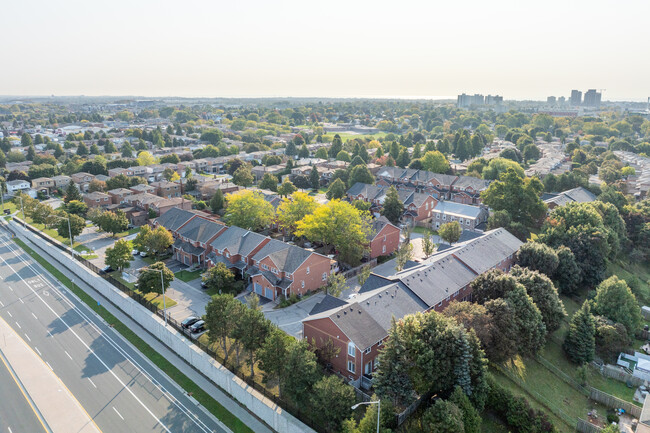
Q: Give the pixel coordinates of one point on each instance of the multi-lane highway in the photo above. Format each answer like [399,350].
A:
[117,387]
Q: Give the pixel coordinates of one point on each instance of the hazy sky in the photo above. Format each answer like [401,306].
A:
[516,48]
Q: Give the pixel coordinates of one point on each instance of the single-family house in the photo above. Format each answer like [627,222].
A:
[383,238]
[468,216]
[44,185]
[97,199]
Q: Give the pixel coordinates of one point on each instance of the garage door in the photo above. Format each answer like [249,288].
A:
[258,289]
[268,293]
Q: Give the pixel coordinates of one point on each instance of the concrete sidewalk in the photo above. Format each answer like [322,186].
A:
[215,392]
[60,409]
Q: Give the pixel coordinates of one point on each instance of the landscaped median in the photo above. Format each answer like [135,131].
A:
[161,362]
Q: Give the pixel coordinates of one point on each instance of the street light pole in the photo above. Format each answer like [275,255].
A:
[378,403]
[69,233]
[162,284]
[23,211]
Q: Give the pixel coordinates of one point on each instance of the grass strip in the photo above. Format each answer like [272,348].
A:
[234,423]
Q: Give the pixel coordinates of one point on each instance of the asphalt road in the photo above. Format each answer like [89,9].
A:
[16,414]
[115,384]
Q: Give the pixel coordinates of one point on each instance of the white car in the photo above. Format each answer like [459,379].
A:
[135,252]
[143,254]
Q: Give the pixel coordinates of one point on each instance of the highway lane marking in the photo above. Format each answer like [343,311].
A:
[66,352]
[9,312]
[43,276]
[118,414]
[24,393]
[124,386]
[38,351]
[93,383]
[21,300]
[50,334]
[48,364]
[34,316]
[28,339]
[18,325]
[123,352]
[2,304]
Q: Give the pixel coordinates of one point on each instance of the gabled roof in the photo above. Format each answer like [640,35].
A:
[486,252]
[329,302]
[377,225]
[238,241]
[174,218]
[477,184]
[286,257]
[579,195]
[458,209]
[370,192]
[200,230]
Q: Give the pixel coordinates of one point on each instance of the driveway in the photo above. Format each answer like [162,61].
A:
[289,319]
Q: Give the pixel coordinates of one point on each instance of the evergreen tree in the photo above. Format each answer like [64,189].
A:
[393,207]
[403,159]
[336,190]
[82,150]
[290,150]
[72,193]
[58,151]
[304,152]
[216,202]
[31,153]
[314,178]
[337,146]
[580,343]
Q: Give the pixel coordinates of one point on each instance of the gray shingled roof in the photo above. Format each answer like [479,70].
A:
[286,257]
[486,252]
[174,218]
[469,181]
[378,224]
[200,230]
[238,241]
[188,248]
[458,209]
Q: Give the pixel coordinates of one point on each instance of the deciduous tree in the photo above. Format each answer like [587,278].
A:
[615,300]
[220,278]
[248,210]
[295,208]
[149,278]
[450,232]
[119,256]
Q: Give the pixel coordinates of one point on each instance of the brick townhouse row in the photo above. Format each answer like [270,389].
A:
[461,189]
[359,327]
[273,268]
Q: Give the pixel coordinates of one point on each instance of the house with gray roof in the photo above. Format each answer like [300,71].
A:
[235,247]
[360,326]
[174,219]
[575,195]
[193,238]
[280,269]
[468,216]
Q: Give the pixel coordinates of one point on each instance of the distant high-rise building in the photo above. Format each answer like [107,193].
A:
[493,99]
[551,100]
[576,97]
[561,100]
[592,98]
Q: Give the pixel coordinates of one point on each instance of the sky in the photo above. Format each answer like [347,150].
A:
[306,48]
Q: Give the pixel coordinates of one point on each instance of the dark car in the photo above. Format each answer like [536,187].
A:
[106,270]
[189,322]
[198,326]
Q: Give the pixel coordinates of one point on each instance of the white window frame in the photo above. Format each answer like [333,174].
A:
[307,270]
[352,349]
[324,276]
[302,284]
[352,367]
[383,249]
[367,351]
[265,267]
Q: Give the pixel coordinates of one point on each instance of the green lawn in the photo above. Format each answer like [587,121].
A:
[424,231]
[128,232]
[235,424]
[188,276]
[9,205]
[491,424]
[637,276]
[154,298]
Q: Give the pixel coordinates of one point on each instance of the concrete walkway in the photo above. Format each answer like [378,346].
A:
[59,408]
[213,390]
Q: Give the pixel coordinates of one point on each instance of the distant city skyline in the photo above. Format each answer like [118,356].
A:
[335,49]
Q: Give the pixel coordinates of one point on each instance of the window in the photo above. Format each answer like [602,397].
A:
[351,366]
[426,206]
[352,349]
[460,220]
[324,276]
[376,362]
[383,249]
[302,283]
[266,268]
[444,217]
[274,270]
[227,255]
[307,270]
[384,238]
[437,216]
[368,369]
[367,351]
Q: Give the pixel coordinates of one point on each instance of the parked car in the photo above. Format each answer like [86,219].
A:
[106,269]
[198,326]
[189,322]
[143,254]
[135,252]
[204,285]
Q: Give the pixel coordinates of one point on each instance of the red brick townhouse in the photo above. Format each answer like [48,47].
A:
[360,327]
[283,269]
[417,206]
[236,247]
[383,238]
[193,238]
[175,218]
[467,190]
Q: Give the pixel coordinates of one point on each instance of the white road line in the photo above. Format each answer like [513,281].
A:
[10,287]
[123,352]
[66,352]
[18,325]
[34,316]
[50,334]
[92,383]
[10,431]
[28,339]
[21,300]
[48,364]
[1,304]
[38,351]
[124,386]
[118,414]
[9,312]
